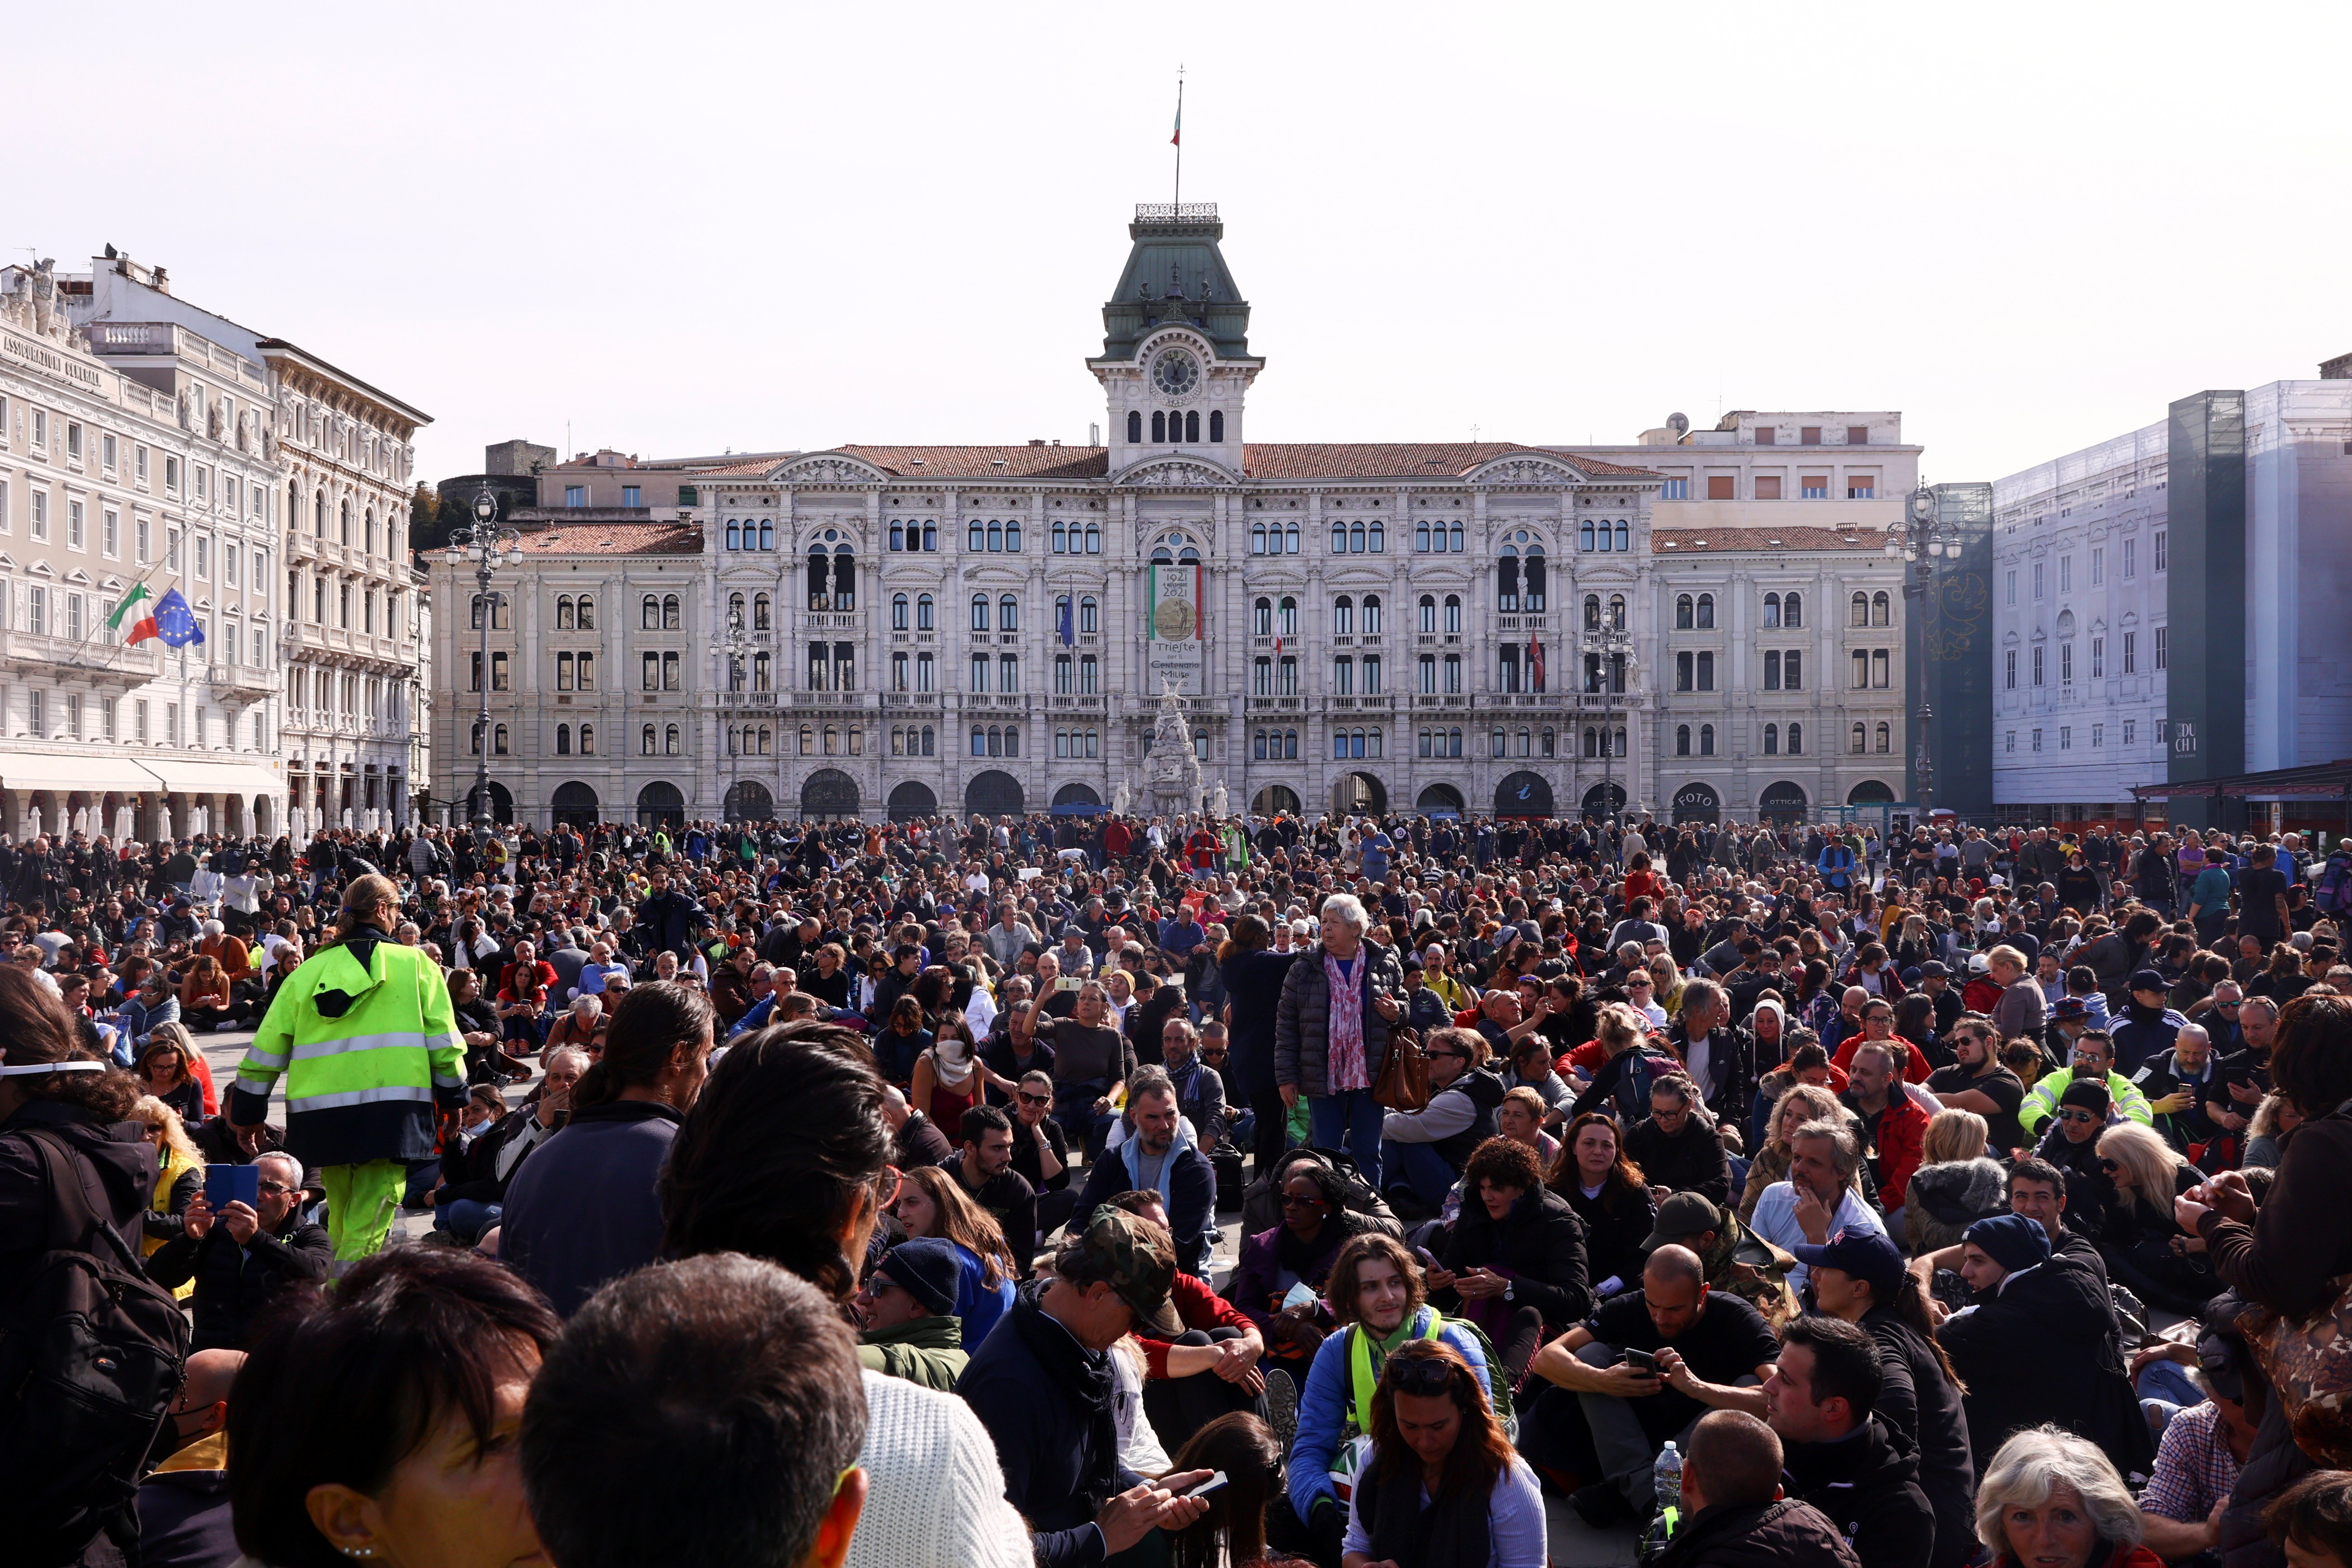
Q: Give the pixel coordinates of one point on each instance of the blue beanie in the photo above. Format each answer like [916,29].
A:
[2012,1240]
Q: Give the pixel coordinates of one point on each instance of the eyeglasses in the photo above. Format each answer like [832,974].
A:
[2077,1117]
[888,1186]
[273,1187]
[1029,1098]
[1457,1056]
[1420,1376]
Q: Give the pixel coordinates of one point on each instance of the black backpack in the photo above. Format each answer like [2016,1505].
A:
[90,1354]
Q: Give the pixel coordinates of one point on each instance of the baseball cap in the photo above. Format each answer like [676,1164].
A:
[1864,1254]
[1979,963]
[1682,1216]
[1934,969]
[2148,980]
[1138,1260]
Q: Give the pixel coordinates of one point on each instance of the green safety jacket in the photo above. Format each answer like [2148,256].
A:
[366,1084]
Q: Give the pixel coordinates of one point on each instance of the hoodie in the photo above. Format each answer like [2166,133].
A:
[1868,1486]
[1187,1188]
[1952,1196]
[118,1152]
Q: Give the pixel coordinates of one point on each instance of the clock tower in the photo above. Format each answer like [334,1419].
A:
[1175,364]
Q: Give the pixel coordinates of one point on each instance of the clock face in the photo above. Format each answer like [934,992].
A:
[1176,374]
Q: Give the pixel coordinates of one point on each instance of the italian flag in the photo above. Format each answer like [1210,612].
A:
[145,627]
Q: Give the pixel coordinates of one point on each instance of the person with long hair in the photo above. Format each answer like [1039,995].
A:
[949,1076]
[1609,1196]
[359,1116]
[1443,1487]
[167,1069]
[582,1209]
[204,993]
[1315,1222]
[1232,1534]
[2145,1249]
[1798,1103]
[376,1421]
[933,1203]
[797,1109]
[179,1176]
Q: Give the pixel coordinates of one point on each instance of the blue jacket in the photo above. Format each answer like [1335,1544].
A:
[1188,1187]
[1836,865]
[1323,1408]
[582,1210]
[977,1304]
[1041,1437]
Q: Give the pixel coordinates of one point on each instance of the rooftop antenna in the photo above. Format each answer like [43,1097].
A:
[1177,140]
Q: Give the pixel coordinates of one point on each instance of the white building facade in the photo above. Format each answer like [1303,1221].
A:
[133,457]
[1481,628]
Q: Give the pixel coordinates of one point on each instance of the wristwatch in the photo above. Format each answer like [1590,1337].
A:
[1509,1286]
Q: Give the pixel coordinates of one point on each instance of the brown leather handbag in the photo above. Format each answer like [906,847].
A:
[1404,1073]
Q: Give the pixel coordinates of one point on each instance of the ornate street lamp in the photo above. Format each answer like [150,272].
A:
[490,544]
[1921,538]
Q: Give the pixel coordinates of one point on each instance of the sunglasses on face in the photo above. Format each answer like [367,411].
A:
[2109,1166]
[1457,1056]
[2078,1118]
[1029,1098]
[1291,1200]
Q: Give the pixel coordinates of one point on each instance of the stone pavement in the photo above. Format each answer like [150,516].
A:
[1572,1545]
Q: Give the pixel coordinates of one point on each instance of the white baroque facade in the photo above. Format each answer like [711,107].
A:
[133,455]
[333,587]
[1441,626]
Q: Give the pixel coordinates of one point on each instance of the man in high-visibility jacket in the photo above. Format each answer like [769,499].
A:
[365,1038]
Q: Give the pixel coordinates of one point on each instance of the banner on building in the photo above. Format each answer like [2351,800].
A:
[1174,632]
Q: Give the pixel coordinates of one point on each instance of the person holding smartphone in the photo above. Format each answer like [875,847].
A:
[241,1255]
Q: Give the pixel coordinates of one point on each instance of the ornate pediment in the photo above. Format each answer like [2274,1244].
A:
[1177,474]
[1524,470]
[825,470]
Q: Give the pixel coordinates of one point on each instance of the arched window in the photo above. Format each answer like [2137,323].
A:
[1343,616]
[1135,428]
[845,579]
[1707,740]
[767,533]
[1338,538]
[1792,610]
[808,740]
[1886,739]
[1421,536]
[1584,535]
[649,614]
[930,536]
[1258,537]
[563,740]
[498,741]
[995,538]
[922,612]
[1089,614]
[587,739]
[347,533]
[978,741]
[820,578]
[1507,580]
[671,613]
[1880,608]
[1624,539]
[1796,740]
[1453,612]
[1094,540]
[898,603]
[1592,742]
[588,612]
[1008,613]
[897,542]
[1192,425]
[1771,739]
[1371,615]
[976,537]
[979,611]
[1159,426]
[1427,622]
[735,609]
[645,741]
[1861,740]
[1377,537]
[1616,612]
[1683,616]
[1532,576]
[1706,612]
[1861,616]
[1682,740]
[1262,618]
[832,742]
[1591,612]
[763,617]
[670,741]
[1216,427]
[1771,609]
[1286,617]
[734,534]
[563,613]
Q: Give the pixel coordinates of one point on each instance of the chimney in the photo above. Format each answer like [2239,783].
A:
[1036,441]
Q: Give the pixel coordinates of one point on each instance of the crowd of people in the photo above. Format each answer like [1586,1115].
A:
[1361,1193]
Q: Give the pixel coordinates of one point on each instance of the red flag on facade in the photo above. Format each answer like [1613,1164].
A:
[1535,657]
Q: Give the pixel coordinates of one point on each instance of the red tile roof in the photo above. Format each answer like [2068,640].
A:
[614,538]
[1701,541]
[1261,460]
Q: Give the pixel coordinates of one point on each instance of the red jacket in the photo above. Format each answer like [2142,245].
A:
[1914,1068]
[1901,1133]
[1201,1308]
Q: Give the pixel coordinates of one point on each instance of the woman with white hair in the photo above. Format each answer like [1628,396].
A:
[1331,1032]
[2051,1499]
[2142,1246]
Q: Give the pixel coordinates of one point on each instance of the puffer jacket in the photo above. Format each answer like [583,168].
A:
[1944,1200]
[1540,1241]
[1302,1020]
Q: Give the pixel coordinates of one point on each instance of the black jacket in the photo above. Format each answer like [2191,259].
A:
[1868,1487]
[474,1174]
[1922,1410]
[1783,1534]
[1691,1161]
[1731,1067]
[1540,1241]
[2042,1348]
[233,1282]
[119,1154]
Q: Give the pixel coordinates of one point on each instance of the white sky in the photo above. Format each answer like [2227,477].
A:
[683,228]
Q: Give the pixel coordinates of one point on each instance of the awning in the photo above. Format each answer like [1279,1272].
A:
[2316,781]
[96,772]
[192,775]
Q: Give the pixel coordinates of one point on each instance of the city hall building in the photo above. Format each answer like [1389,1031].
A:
[1701,625]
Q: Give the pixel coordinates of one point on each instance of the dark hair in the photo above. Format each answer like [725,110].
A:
[1810,1055]
[651,1022]
[745,1407]
[1249,933]
[1480,1454]
[1625,1180]
[1734,1458]
[2033,1168]
[1244,1448]
[979,1120]
[36,1028]
[343,1385]
[1845,1362]
[2311,1062]
[1340,1286]
[2316,1514]
[793,1110]
[1505,1162]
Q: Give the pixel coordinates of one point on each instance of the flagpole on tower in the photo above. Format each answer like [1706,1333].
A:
[1177,141]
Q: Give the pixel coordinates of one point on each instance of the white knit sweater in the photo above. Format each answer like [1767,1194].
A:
[935,1494]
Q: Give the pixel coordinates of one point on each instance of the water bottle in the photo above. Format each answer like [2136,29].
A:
[1667,1479]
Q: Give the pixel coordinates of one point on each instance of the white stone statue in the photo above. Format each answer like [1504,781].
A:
[48,315]
[1218,808]
[1119,798]
[32,824]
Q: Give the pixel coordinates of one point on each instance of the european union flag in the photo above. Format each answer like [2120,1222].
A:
[1063,626]
[175,622]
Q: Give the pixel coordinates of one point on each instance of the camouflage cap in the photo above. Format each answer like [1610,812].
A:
[1136,1258]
